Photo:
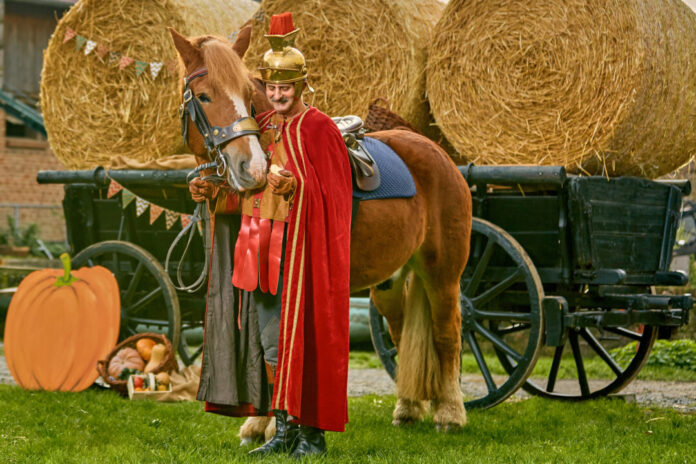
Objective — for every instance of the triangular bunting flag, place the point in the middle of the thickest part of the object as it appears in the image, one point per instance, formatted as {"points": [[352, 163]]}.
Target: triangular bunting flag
{"points": [[172, 66], [155, 68], [80, 41], [170, 218], [91, 44], [114, 57], [140, 206], [140, 67], [126, 197], [69, 34], [259, 16], [185, 219], [114, 188], [155, 212], [102, 50], [125, 61]]}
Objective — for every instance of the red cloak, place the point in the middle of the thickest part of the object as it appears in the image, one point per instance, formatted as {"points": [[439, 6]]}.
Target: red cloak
{"points": [[312, 374]]}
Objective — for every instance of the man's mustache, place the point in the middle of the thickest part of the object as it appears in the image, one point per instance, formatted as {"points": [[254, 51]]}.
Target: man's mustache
{"points": [[280, 100]]}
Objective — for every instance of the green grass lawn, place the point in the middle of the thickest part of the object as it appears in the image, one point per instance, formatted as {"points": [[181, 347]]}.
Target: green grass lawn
{"points": [[101, 427]]}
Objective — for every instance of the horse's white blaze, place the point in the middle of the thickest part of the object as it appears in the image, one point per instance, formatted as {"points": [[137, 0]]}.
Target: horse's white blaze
{"points": [[257, 163]]}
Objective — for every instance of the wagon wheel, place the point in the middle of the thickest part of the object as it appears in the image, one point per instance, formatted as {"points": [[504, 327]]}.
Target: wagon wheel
{"points": [[382, 341], [501, 295], [571, 358], [189, 353], [498, 270], [147, 295]]}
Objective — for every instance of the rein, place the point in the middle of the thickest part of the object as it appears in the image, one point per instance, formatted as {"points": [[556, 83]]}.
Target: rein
{"points": [[214, 137]]}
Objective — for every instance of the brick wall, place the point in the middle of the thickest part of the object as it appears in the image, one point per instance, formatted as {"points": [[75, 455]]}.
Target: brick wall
{"points": [[20, 160]]}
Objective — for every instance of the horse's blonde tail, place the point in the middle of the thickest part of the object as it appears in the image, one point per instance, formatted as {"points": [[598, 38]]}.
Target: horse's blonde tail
{"points": [[418, 375]]}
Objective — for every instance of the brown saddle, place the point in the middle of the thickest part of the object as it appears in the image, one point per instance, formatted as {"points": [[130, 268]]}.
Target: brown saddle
{"points": [[365, 170]]}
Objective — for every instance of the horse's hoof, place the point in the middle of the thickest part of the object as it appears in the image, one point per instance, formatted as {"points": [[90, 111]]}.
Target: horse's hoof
{"points": [[246, 441], [403, 422], [447, 428]]}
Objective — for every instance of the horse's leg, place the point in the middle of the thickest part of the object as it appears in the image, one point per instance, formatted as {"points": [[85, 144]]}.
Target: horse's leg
{"points": [[253, 429], [390, 299], [448, 406], [417, 379]]}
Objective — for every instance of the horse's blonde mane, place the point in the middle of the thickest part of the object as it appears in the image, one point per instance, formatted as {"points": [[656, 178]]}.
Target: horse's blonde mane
{"points": [[225, 68]]}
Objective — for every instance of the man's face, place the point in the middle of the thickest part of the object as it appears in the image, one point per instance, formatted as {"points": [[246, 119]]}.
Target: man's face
{"points": [[282, 96]]}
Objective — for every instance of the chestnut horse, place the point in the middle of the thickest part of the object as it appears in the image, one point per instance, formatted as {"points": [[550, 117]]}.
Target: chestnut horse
{"points": [[416, 247]]}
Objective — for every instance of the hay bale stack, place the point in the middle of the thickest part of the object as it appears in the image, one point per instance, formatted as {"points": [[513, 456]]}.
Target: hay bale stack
{"points": [[598, 86], [358, 51], [91, 108]]}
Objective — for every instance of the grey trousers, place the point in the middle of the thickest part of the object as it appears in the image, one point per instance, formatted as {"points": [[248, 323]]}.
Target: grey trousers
{"points": [[268, 310]]}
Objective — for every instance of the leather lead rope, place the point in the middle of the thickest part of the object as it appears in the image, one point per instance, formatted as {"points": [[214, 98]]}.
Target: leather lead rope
{"points": [[199, 214]]}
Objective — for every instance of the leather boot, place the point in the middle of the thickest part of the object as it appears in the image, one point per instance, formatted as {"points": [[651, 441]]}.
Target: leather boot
{"points": [[310, 441], [284, 439]]}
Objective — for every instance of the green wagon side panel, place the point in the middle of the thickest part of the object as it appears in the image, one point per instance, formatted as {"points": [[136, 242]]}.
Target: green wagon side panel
{"points": [[624, 223]]}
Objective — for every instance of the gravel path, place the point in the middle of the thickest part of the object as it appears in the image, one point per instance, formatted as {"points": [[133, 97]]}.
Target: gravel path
{"points": [[677, 395], [680, 396]]}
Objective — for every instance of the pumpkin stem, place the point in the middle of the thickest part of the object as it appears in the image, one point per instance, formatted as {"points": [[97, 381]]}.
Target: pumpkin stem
{"points": [[66, 279]]}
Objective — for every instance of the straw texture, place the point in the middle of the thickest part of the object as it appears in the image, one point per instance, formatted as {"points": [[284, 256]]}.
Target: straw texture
{"points": [[598, 86], [358, 51], [93, 110]]}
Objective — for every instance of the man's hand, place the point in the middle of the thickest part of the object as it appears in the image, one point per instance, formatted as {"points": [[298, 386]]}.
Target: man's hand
{"points": [[282, 182], [201, 190]]}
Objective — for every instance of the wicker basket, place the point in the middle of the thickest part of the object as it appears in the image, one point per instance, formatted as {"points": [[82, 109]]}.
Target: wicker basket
{"points": [[380, 117], [167, 365]]}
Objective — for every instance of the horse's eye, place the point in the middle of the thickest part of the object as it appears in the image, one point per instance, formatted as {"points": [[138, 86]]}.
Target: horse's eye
{"points": [[203, 98]]}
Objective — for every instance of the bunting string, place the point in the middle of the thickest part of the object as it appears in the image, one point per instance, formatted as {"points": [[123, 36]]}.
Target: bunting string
{"points": [[87, 46], [142, 205]]}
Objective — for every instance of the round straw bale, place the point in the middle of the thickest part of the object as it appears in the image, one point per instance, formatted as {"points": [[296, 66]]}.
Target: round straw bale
{"points": [[597, 86], [358, 51], [93, 110]]}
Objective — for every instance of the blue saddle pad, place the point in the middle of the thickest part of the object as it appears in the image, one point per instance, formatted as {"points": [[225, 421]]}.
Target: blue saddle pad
{"points": [[396, 179]]}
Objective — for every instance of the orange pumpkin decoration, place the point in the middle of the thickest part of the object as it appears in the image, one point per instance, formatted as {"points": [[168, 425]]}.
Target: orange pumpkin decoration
{"points": [[59, 324]]}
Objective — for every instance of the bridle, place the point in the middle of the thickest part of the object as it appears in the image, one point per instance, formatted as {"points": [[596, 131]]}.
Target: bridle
{"points": [[213, 136]]}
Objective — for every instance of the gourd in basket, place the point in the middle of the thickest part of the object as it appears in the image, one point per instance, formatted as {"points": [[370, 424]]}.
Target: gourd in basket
{"points": [[130, 355], [59, 323]]}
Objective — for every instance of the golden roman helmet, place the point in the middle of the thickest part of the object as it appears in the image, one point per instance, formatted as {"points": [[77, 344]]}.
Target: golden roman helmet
{"points": [[283, 63]]}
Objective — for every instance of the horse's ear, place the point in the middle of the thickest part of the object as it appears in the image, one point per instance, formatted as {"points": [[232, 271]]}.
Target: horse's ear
{"points": [[241, 44], [186, 49]]}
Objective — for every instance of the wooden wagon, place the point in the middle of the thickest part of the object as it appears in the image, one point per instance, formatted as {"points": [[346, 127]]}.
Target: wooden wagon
{"points": [[562, 265]]}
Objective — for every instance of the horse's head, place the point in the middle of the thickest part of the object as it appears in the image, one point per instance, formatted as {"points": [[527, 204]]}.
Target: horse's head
{"points": [[217, 96]]}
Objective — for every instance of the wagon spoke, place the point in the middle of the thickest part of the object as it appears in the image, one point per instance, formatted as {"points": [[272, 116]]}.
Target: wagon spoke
{"points": [[117, 263], [513, 329], [481, 361], [502, 315], [497, 341], [473, 284], [133, 283], [145, 300], [553, 373], [497, 289], [130, 330], [625, 333], [582, 376], [599, 349]]}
